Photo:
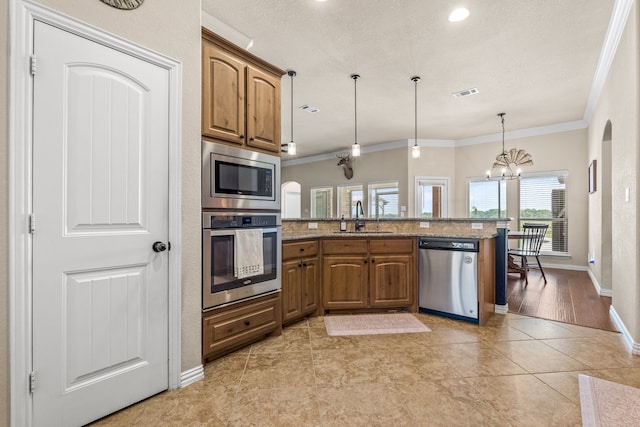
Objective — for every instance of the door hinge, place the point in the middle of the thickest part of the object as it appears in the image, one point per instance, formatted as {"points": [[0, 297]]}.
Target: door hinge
{"points": [[33, 65], [32, 223], [32, 382]]}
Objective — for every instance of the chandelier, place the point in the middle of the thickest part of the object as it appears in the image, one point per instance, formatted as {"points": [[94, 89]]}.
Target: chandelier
{"points": [[507, 164]]}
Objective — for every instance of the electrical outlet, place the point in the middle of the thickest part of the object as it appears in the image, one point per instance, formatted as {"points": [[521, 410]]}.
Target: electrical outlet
{"points": [[312, 225], [476, 226], [424, 225]]}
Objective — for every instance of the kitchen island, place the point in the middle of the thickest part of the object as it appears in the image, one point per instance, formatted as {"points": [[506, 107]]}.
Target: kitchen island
{"points": [[374, 269]]}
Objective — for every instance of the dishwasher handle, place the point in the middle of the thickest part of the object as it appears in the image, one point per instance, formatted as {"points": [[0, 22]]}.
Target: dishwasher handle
{"points": [[450, 245]]}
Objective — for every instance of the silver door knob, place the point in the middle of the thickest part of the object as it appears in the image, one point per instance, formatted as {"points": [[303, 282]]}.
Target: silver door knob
{"points": [[159, 247]]}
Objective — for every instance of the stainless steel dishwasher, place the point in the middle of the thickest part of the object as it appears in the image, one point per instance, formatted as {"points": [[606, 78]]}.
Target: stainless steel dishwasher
{"points": [[448, 282]]}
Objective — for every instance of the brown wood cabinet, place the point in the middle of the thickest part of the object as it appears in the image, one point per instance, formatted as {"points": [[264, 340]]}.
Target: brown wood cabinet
{"points": [[300, 290], [240, 96], [229, 328], [369, 273], [486, 280]]}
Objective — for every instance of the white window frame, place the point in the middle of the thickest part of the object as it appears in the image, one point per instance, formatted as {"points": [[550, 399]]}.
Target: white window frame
{"points": [[364, 198], [376, 183], [313, 200], [479, 179], [432, 180]]}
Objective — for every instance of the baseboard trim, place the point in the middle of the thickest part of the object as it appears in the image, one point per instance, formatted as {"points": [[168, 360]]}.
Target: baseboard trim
{"points": [[564, 266], [633, 346], [602, 292], [501, 308], [191, 376]]}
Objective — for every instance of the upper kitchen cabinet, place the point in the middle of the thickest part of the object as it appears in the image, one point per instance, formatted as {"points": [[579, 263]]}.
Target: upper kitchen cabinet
{"points": [[240, 96]]}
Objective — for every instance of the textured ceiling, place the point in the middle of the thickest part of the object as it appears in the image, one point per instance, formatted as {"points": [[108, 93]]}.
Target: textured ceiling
{"points": [[534, 60]]}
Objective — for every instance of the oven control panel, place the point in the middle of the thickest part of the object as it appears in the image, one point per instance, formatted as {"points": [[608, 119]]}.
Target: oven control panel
{"points": [[239, 221]]}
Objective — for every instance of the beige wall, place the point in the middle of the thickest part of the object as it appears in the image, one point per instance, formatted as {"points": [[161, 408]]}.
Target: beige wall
{"points": [[370, 167], [173, 29], [558, 151], [619, 104], [433, 162], [4, 255]]}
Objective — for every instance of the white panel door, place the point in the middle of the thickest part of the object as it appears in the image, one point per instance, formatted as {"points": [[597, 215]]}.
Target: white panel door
{"points": [[100, 199]]}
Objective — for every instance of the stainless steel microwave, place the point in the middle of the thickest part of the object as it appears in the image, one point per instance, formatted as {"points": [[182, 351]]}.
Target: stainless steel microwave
{"points": [[238, 179]]}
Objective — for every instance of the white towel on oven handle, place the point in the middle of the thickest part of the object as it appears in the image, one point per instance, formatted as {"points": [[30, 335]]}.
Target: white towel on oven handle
{"points": [[248, 254]]}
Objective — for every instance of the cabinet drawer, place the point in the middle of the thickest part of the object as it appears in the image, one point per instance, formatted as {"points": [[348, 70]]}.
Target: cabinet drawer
{"points": [[392, 246], [344, 246], [230, 327], [299, 249]]}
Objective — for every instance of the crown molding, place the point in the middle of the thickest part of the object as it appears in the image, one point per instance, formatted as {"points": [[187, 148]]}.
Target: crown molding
{"points": [[450, 143], [619, 16], [524, 133]]}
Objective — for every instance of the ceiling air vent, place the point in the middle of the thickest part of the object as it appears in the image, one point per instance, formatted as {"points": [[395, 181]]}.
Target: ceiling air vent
{"points": [[309, 109], [466, 92]]}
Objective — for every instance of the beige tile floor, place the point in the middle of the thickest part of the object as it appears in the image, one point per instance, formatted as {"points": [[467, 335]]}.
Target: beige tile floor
{"points": [[517, 371]]}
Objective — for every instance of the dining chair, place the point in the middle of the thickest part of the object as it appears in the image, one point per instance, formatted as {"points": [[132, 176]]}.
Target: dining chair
{"points": [[532, 239]]}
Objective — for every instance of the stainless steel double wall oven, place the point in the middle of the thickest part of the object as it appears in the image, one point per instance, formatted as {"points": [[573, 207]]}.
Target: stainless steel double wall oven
{"points": [[240, 192]]}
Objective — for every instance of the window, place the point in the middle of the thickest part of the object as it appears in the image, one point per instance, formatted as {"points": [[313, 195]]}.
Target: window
{"points": [[432, 197], [383, 200], [322, 202], [543, 200], [348, 196], [487, 199]]}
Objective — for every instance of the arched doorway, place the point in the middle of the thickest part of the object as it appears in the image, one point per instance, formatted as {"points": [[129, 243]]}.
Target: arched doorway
{"points": [[291, 199]]}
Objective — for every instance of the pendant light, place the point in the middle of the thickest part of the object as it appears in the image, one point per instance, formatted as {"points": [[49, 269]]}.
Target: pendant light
{"points": [[508, 162], [355, 148], [290, 148], [415, 150]]}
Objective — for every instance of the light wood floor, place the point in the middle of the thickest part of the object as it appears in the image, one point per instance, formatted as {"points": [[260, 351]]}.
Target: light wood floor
{"points": [[568, 296]]}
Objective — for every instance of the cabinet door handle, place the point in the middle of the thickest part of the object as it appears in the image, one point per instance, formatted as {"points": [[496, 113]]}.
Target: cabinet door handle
{"points": [[299, 265], [241, 136], [251, 139], [372, 261], [247, 323], [365, 261], [304, 264]]}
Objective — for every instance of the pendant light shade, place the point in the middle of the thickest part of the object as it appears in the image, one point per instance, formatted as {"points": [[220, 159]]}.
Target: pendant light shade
{"points": [[355, 148], [290, 148], [415, 150], [507, 164]]}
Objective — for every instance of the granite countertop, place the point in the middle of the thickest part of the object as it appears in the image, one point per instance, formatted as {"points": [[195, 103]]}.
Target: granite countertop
{"points": [[367, 234]]}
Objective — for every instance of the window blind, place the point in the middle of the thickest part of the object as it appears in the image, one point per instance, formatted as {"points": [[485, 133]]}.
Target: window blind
{"points": [[383, 200], [543, 201]]}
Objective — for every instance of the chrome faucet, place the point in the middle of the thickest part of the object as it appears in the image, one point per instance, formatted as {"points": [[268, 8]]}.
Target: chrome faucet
{"points": [[359, 222]]}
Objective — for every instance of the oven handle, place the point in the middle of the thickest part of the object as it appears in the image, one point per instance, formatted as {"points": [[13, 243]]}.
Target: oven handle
{"points": [[230, 231]]}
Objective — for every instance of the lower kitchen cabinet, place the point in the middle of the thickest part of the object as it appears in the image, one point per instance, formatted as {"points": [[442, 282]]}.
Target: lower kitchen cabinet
{"points": [[229, 328], [369, 273], [391, 280], [300, 292], [345, 281]]}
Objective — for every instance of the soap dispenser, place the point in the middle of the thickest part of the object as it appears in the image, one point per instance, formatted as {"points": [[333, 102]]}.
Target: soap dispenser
{"points": [[343, 224]]}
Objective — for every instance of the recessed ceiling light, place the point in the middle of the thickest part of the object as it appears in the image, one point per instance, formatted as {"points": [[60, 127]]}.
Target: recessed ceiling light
{"points": [[459, 14], [321, 1]]}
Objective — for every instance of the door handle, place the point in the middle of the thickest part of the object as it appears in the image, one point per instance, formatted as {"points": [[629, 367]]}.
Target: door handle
{"points": [[159, 247]]}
